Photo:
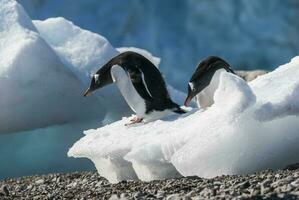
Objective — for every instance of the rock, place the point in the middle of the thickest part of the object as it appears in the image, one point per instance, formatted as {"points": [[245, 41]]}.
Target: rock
{"points": [[292, 167], [5, 190], [114, 197], [87, 185], [40, 181], [243, 185], [250, 75]]}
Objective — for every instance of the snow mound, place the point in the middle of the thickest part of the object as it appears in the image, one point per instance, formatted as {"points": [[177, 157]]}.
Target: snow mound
{"points": [[230, 137], [82, 51], [46, 66], [13, 14], [36, 88]]}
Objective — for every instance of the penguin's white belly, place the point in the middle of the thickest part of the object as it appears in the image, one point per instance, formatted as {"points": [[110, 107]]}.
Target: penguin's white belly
{"points": [[124, 84], [206, 97]]}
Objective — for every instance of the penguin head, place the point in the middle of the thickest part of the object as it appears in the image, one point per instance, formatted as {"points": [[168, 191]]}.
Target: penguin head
{"points": [[203, 75], [193, 90], [99, 80]]}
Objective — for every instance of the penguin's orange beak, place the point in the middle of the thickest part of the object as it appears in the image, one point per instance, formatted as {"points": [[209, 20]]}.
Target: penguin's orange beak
{"points": [[87, 92], [187, 101]]}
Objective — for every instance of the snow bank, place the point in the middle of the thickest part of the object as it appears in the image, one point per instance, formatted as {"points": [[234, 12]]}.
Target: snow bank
{"points": [[82, 51], [230, 137], [36, 89], [46, 66]]}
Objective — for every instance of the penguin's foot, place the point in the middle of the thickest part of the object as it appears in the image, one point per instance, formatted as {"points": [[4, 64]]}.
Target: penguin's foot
{"points": [[134, 120]]}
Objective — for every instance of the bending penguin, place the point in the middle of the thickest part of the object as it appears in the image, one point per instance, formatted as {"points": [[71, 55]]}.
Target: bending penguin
{"points": [[205, 81], [140, 83]]}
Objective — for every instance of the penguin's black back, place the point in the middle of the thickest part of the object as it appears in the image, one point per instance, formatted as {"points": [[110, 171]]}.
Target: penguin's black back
{"points": [[142, 71], [206, 70], [209, 66]]}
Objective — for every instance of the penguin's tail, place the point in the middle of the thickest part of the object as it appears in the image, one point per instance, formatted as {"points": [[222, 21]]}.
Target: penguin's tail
{"points": [[179, 110]]}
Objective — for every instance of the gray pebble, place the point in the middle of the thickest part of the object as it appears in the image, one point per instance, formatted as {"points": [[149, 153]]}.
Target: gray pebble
{"points": [[89, 185], [5, 190], [40, 181]]}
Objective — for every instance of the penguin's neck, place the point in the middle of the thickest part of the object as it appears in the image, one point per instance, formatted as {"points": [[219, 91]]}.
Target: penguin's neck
{"points": [[206, 97], [125, 86]]}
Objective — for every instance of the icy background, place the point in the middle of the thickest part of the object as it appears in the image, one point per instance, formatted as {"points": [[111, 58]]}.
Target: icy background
{"points": [[249, 34]]}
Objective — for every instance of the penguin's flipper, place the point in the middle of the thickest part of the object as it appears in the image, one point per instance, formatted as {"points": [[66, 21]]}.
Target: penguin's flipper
{"points": [[137, 79], [135, 75], [223, 64]]}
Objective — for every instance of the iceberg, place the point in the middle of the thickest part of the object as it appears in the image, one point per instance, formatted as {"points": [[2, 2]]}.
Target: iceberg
{"points": [[250, 127], [36, 89], [82, 51], [45, 68]]}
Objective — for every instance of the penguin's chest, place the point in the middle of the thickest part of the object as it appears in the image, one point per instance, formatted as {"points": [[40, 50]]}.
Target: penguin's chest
{"points": [[206, 97], [124, 84]]}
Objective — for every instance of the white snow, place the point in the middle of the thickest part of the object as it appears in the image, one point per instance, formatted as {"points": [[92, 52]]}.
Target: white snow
{"points": [[248, 128], [82, 51], [45, 67], [36, 88]]}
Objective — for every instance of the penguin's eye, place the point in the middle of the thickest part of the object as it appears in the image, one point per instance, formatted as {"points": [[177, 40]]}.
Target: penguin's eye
{"points": [[96, 78], [192, 86]]}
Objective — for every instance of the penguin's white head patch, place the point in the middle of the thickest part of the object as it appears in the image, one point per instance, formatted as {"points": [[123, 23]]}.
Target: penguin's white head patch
{"points": [[96, 78], [191, 86]]}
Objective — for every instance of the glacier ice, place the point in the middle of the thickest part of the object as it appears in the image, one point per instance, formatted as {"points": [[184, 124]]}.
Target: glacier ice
{"points": [[230, 137], [36, 89], [43, 150], [46, 66], [198, 28], [81, 50]]}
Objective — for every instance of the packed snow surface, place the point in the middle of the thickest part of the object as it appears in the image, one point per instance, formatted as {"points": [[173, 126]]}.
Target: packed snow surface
{"points": [[45, 67], [248, 128], [82, 51], [36, 88]]}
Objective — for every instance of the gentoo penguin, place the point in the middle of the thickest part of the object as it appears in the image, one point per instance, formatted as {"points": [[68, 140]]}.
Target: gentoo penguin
{"points": [[205, 80], [140, 83]]}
